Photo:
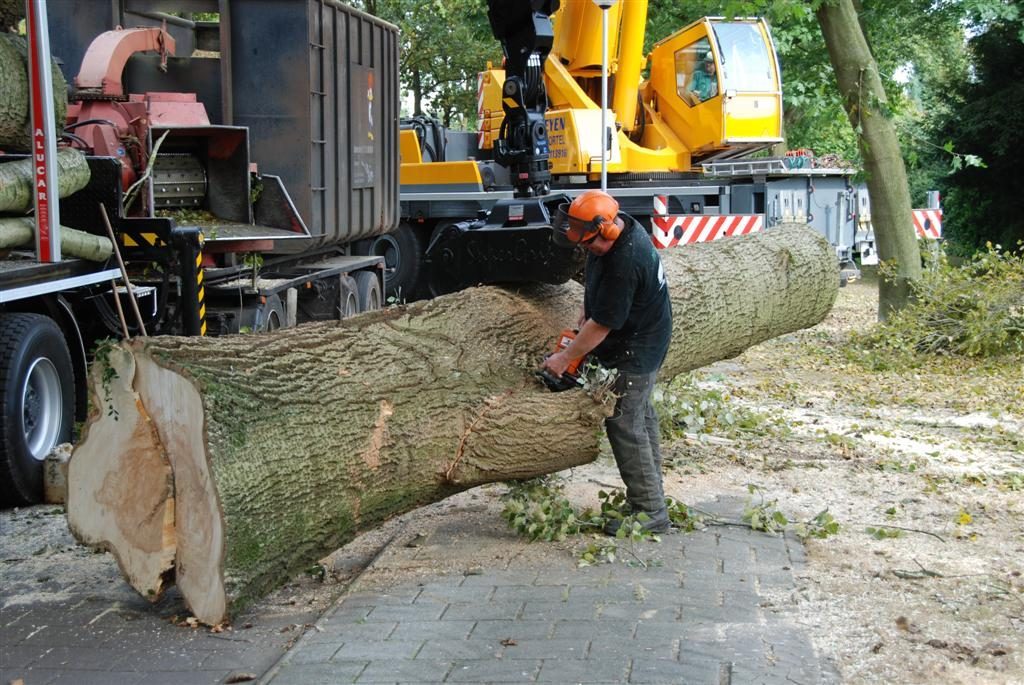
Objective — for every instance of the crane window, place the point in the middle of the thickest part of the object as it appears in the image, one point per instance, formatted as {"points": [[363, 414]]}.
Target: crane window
{"points": [[696, 72], [743, 53]]}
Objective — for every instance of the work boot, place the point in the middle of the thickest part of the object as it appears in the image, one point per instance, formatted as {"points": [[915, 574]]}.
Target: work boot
{"points": [[655, 523]]}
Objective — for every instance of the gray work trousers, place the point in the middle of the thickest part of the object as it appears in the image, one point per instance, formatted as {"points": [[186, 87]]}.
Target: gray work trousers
{"points": [[633, 433]]}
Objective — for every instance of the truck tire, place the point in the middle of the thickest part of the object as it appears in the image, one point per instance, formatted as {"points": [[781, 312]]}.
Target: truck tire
{"points": [[368, 291], [37, 397], [402, 250], [263, 317], [349, 297]]}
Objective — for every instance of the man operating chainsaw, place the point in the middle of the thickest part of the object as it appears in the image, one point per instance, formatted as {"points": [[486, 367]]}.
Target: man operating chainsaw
{"points": [[626, 325]]}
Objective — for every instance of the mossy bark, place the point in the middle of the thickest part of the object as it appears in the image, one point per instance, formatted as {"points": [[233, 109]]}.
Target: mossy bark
{"points": [[17, 179], [867, 108], [20, 232], [284, 446], [15, 115]]}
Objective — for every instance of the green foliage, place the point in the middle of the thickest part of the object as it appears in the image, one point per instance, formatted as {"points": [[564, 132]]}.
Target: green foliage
{"points": [[987, 204], [973, 310], [882, 533], [684, 517], [444, 44], [683, 407], [821, 526], [538, 509], [764, 516]]}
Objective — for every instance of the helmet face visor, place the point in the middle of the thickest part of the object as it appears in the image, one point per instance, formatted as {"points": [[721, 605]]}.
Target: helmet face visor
{"points": [[568, 231]]}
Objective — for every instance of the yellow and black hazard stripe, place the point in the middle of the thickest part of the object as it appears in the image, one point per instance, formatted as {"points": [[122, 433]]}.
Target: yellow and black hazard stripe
{"points": [[200, 294]]}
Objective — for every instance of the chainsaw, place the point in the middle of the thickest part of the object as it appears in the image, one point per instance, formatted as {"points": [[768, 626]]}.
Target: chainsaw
{"points": [[569, 379]]}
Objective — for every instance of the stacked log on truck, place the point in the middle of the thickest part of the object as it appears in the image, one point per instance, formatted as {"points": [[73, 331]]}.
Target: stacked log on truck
{"points": [[229, 465]]}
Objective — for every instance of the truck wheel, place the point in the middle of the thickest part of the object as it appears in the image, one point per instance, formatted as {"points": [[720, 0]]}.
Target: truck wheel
{"points": [[349, 297], [263, 317], [402, 250], [37, 396], [368, 291]]}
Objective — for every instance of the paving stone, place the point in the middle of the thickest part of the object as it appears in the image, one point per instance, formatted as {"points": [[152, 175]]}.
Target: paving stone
{"points": [[691, 672], [397, 613], [637, 611], [483, 611], [368, 598], [83, 658], [460, 649], [367, 650], [588, 575], [529, 593], [602, 670], [33, 676], [310, 654], [18, 656], [74, 677], [613, 593], [318, 674], [546, 649], [502, 577], [592, 630], [513, 630], [427, 630], [445, 594], [654, 647], [494, 671], [390, 671], [352, 631], [544, 611]]}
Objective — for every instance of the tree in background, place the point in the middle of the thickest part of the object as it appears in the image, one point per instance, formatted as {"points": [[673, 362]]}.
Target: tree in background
{"points": [[987, 203], [444, 44]]}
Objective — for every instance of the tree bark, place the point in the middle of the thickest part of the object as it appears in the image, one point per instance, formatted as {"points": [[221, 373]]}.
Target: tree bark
{"points": [[17, 180], [15, 115], [866, 106], [21, 232], [282, 447]]}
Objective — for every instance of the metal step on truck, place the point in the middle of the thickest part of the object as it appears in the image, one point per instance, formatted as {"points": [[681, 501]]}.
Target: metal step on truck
{"points": [[243, 155]]}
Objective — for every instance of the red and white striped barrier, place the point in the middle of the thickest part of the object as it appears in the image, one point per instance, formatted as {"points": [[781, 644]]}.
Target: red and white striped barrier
{"points": [[928, 223], [480, 115], [669, 230]]}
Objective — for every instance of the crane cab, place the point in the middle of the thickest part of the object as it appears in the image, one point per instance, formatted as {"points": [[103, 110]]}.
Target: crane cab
{"points": [[716, 84]]}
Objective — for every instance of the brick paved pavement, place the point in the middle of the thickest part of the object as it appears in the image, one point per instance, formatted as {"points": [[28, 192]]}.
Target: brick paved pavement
{"points": [[696, 614]]}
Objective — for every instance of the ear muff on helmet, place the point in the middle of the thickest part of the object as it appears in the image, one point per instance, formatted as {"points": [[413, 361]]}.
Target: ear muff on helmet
{"points": [[591, 214]]}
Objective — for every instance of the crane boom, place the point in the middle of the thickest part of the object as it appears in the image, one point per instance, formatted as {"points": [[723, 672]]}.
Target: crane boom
{"points": [[526, 35]]}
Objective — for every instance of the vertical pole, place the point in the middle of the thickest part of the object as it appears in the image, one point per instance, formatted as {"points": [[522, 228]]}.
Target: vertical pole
{"points": [[44, 143], [604, 98]]}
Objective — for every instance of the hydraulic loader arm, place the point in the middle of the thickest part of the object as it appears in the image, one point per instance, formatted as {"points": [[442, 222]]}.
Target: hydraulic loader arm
{"points": [[524, 29]]}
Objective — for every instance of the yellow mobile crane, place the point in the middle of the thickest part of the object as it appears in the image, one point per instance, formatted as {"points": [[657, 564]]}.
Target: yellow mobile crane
{"points": [[712, 92]]}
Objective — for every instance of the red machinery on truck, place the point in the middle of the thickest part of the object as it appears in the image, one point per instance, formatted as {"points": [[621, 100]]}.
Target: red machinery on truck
{"points": [[174, 117]]}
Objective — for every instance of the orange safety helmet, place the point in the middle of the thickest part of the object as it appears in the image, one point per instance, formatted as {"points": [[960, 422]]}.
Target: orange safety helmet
{"points": [[591, 214]]}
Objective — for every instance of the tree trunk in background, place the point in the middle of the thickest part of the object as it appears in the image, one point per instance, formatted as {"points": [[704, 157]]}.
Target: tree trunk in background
{"points": [[14, 110], [866, 106], [282, 447]]}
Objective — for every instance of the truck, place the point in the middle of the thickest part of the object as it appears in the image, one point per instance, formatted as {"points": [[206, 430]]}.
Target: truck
{"points": [[681, 162], [239, 162]]}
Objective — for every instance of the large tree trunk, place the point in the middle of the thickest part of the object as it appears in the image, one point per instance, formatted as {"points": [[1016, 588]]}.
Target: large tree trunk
{"points": [[232, 463], [15, 116], [17, 179], [21, 232], [865, 102]]}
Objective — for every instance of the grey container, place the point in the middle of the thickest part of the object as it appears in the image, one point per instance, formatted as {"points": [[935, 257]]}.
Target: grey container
{"points": [[316, 83]]}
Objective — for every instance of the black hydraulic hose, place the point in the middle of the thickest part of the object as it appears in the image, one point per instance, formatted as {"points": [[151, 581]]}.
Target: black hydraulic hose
{"points": [[80, 141], [105, 122]]}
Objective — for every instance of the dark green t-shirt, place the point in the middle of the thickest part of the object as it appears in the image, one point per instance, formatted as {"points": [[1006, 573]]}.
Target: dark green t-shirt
{"points": [[626, 291]]}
